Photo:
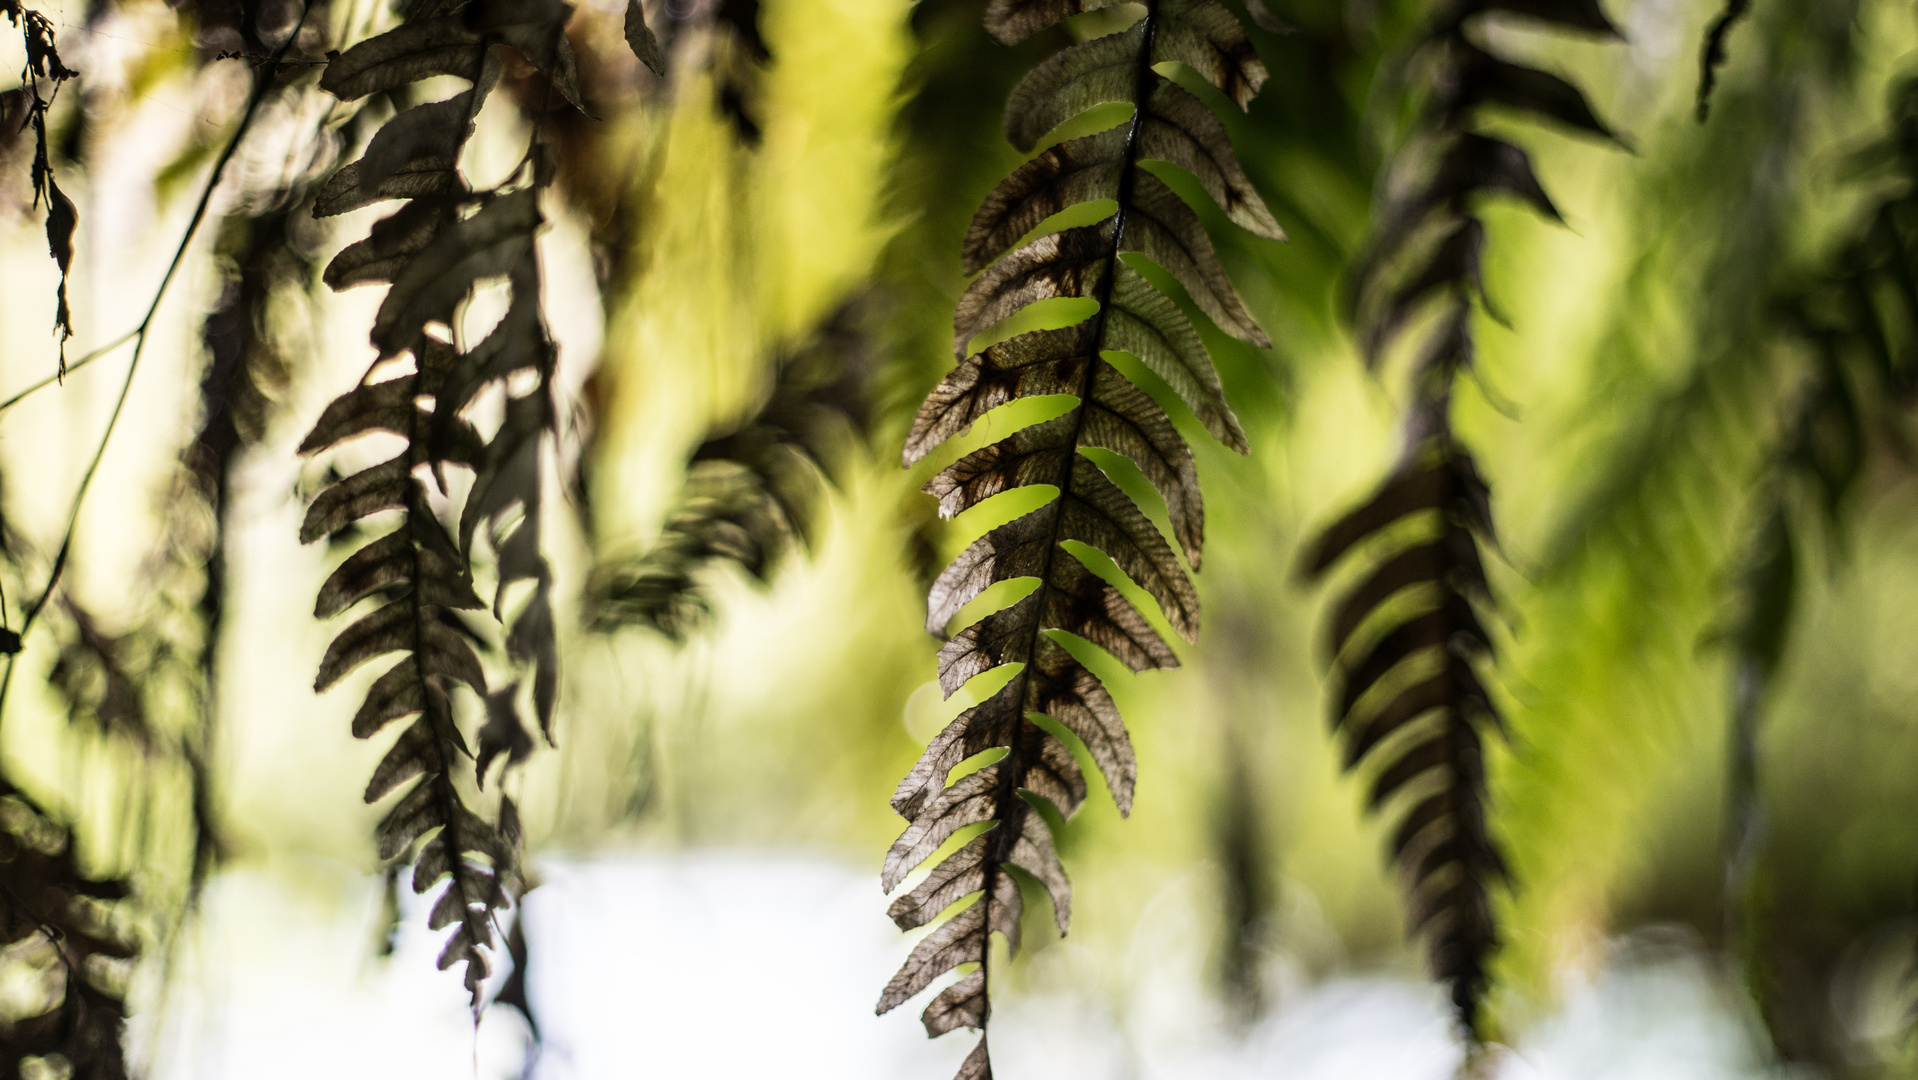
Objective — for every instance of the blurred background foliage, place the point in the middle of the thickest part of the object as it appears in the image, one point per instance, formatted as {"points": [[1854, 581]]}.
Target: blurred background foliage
{"points": [[753, 259]]}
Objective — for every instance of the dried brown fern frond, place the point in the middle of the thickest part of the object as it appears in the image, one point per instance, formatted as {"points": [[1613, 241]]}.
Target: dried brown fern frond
{"points": [[1149, 230]]}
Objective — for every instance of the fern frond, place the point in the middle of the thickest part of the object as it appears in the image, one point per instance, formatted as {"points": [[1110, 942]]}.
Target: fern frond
{"points": [[94, 674], [1408, 639], [431, 254], [1411, 697], [422, 578], [727, 514], [728, 47], [54, 916], [246, 373], [751, 490], [1149, 225]]}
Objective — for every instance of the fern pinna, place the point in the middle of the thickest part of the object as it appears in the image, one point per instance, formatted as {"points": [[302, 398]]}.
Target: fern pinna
{"points": [[432, 252], [1102, 262], [1407, 638]]}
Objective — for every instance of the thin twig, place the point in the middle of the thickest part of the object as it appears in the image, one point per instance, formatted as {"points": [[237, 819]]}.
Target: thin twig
{"points": [[141, 334], [71, 368]]}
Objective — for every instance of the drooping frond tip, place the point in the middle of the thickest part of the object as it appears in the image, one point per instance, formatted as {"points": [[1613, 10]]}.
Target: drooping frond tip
{"points": [[43, 65], [431, 254], [1407, 639], [751, 488], [1410, 698], [1150, 230]]}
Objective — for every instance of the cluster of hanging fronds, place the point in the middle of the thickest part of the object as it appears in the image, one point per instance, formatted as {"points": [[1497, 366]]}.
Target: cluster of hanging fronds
{"points": [[1861, 321], [1150, 231], [65, 952], [431, 253], [1407, 639], [751, 491], [43, 66], [58, 939], [1858, 323]]}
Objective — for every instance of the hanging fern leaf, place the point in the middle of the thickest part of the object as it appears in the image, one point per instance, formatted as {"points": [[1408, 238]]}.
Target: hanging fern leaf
{"points": [[1097, 262], [1408, 639], [431, 254], [1856, 320], [420, 577], [263, 256], [54, 917], [751, 491], [729, 512], [43, 63], [1411, 695]]}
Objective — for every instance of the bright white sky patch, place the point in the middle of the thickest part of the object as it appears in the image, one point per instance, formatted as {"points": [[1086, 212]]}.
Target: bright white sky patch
{"points": [[743, 966]]}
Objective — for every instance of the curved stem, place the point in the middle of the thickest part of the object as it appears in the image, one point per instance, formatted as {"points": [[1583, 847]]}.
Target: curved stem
{"points": [[141, 334]]}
